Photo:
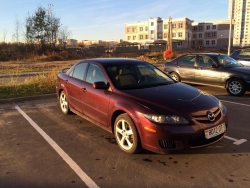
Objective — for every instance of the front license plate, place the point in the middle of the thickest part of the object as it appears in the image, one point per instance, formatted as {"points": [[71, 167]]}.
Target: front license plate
{"points": [[212, 132]]}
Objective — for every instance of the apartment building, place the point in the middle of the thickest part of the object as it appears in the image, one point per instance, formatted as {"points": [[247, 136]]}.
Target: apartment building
{"points": [[146, 32], [210, 34], [239, 11]]}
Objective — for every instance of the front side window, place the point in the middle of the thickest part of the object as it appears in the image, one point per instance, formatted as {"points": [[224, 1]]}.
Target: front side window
{"points": [[187, 61], [95, 74], [226, 61], [79, 71]]}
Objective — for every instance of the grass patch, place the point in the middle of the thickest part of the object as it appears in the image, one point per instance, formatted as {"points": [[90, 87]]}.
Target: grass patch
{"points": [[44, 83]]}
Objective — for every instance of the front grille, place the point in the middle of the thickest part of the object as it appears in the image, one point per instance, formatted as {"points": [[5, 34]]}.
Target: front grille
{"points": [[202, 116], [201, 140], [167, 144]]}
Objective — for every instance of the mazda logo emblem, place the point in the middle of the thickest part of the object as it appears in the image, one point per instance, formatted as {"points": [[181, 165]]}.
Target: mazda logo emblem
{"points": [[210, 116]]}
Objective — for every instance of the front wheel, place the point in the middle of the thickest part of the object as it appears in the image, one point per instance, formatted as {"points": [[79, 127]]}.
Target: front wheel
{"points": [[64, 103], [175, 76], [236, 87], [126, 134]]}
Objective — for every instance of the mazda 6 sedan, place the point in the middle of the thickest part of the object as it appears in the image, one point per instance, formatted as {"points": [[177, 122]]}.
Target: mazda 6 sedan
{"points": [[210, 69], [141, 105]]}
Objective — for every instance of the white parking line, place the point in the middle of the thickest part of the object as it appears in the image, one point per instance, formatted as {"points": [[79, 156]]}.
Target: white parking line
{"points": [[236, 142], [85, 178], [235, 103]]}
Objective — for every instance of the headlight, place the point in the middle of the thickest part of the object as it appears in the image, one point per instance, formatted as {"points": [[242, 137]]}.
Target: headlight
{"points": [[223, 108], [168, 119]]}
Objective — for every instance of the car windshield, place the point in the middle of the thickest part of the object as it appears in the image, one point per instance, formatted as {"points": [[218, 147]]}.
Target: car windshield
{"points": [[136, 76], [226, 61]]}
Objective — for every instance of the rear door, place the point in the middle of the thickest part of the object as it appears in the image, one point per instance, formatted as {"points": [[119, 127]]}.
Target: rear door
{"points": [[185, 66]]}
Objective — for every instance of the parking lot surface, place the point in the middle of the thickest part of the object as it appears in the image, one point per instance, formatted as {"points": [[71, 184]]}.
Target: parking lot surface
{"points": [[41, 147]]}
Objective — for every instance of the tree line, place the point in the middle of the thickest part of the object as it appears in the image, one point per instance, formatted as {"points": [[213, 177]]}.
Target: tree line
{"points": [[42, 29]]}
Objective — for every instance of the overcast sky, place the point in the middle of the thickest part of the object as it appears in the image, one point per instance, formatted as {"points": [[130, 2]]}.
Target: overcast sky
{"points": [[105, 19]]}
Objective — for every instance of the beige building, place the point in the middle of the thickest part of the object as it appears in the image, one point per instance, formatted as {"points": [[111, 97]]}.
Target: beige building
{"points": [[240, 12], [146, 32], [210, 34]]}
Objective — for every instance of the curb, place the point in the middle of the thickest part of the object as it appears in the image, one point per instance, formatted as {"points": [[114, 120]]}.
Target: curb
{"points": [[28, 98]]}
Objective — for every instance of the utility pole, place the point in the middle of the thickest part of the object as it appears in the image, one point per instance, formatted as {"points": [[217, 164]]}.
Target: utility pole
{"points": [[169, 45]]}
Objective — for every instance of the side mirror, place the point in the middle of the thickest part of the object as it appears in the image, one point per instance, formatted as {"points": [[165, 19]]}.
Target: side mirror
{"points": [[100, 85]]}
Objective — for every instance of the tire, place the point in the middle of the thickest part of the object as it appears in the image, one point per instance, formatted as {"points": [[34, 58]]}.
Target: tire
{"points": [[126, 134], [64, 103], [175, 76], [236, 87]]}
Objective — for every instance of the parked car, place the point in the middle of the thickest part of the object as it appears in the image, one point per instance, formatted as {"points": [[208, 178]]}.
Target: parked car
{"points": [[141, 105], [210, 69], [242, 56]]}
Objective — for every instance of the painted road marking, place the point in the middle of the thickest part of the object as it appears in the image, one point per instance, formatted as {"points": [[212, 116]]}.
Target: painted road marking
{"points": [[236, 142], [235, 103], [85, 178]]}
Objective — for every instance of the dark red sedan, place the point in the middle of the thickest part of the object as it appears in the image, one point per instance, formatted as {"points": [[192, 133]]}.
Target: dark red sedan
{"points": [[141, 105]]}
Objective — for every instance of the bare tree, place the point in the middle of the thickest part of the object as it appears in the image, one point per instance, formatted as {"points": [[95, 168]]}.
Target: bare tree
{"points": [[17, 30], [64, 34]]}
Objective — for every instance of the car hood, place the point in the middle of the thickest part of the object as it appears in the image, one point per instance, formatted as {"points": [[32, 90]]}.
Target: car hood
{"points": [[175, 98], [242, 69]]}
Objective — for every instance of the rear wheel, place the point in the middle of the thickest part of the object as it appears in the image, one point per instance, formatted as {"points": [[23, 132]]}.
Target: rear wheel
{"points": [[175, 76], [126, 134], [64, 103], [236, 87]]}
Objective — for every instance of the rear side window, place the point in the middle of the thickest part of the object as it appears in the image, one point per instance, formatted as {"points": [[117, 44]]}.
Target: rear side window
{"points": [[187, 61], [79, 71], [244, 54]]}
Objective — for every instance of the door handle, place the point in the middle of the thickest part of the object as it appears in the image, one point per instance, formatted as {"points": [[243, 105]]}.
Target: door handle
{"points": [[84, 89], [66, 81]]}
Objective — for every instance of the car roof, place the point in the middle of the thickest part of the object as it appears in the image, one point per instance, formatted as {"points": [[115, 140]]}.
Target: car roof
{"points": [[112, 61], [205, 53]]}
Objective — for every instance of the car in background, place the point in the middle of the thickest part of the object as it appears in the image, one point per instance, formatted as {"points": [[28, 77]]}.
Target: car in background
{"points": [[210, 69], [242, 56], [141, 105]]}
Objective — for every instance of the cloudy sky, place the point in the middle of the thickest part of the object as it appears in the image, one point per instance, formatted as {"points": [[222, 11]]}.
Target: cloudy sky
{"points": [[105, 19]]}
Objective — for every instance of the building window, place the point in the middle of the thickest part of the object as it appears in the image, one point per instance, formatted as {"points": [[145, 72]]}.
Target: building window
{"points": [[200, 28], [146, 36], [180, 25], [146, 28], [214, 26], [152, 23], [207, 42], [173, 34], [129, 37], [200, 35], [165, 26], [194, 36], [159, 27], [173, 25], [208, 27], [152, 31], [134, 29], [128, 30], [165, 35], [141, 37], [159, 36], [207, 35], [141, 28], [195, 28], [180, 43], [200, 42], [134, 37], [213, 34], [179, 34], [213, 41]]}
